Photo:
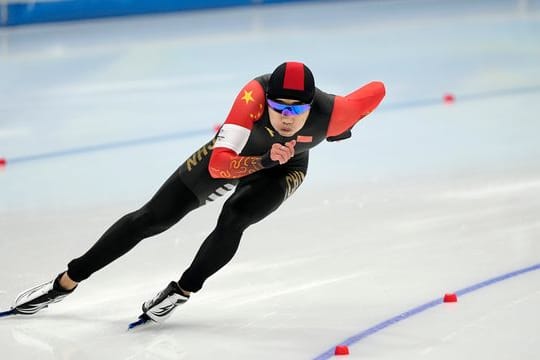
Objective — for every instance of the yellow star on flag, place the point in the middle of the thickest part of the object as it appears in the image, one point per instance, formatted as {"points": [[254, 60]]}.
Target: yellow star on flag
{"points": [[248, 96]]}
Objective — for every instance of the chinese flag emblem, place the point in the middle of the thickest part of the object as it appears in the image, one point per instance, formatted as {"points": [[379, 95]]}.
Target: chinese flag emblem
{"points": [[248, 96], [304, 139]]}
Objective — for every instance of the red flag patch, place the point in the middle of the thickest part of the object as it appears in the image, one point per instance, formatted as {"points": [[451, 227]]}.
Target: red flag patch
{"points": [[304, 139]]}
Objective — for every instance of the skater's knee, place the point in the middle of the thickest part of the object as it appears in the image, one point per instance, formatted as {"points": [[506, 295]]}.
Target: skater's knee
{"points": [[146, 223]]}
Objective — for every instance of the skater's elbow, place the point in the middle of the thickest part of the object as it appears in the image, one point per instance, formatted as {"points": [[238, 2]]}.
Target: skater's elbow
{"points": [[219, 163]]}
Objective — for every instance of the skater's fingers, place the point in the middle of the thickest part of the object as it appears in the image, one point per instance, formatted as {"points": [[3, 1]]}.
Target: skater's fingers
{"points": [[290, 146], [277, 153]]}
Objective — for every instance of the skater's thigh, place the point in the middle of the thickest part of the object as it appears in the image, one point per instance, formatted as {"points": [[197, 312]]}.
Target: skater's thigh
{"points": [[259, 195], [173, 199]]}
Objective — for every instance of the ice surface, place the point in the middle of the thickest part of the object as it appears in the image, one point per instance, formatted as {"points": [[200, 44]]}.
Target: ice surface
{"points": [[424, 199]]}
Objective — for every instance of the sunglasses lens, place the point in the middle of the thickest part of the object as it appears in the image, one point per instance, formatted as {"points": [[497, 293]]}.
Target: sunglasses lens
{"points": [[301, 108], [288, 110]]}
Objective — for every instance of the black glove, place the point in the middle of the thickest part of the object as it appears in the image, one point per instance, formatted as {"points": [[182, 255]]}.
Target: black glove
{"points": [[344, 135]]}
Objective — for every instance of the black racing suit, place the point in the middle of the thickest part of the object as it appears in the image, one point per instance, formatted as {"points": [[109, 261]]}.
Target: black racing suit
{"points": [[190, 186]]}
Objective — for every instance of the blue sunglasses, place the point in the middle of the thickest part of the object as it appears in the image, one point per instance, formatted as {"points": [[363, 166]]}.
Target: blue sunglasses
{"points": [[288, 109]]}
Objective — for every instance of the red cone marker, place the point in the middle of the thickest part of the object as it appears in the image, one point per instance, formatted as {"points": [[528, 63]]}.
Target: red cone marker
{"points": [[449, 98], [450, 298], [341, 350]]}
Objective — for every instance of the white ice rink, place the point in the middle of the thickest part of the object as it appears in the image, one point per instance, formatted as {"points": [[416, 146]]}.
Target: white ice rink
{"points": [[426, 198]]}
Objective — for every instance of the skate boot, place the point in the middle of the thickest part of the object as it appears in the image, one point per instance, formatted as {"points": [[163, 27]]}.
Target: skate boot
{"points": [[162, 305], [32, 300]]}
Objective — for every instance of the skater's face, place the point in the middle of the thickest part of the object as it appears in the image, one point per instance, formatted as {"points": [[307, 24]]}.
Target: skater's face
{"points": [[287, 116]]}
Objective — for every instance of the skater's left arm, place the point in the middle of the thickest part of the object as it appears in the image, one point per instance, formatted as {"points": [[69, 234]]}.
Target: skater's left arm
{"points": [[225, 161], [350, 109]]}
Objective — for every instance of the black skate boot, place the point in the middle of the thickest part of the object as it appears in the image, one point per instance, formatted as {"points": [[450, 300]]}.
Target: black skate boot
{"points": [[32, 300], [162, 305]]}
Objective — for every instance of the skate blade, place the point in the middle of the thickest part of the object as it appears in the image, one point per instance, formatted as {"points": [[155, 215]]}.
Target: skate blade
{"points": [[143, 319], [8, 313]]}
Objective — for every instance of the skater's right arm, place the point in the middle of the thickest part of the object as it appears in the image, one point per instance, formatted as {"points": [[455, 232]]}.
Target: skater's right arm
{"points": [[225, 161], [350, 109]]}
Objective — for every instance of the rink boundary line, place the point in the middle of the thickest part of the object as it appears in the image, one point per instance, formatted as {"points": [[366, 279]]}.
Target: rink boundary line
{"points": [[207, 131], [463, 98], [419, 309], [109, 146]]}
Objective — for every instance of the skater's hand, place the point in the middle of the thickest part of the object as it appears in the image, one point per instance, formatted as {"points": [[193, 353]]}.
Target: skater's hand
{"points": [[282, 153]]}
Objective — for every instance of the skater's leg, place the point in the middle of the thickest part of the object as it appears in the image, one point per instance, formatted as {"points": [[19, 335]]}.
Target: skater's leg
{"points": [[173, 201], [252, 201], [170, 204]]}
